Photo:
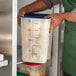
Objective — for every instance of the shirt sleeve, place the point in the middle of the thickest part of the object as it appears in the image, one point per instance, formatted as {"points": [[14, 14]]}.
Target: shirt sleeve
{"points": [[74, 13], [55, 1], [50, 3]]}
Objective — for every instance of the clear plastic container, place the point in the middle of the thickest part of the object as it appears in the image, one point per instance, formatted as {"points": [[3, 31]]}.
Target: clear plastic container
{"points": [[35, 38], [33, 69]]}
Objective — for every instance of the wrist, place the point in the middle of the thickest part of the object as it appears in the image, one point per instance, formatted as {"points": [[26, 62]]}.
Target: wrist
{"points": [[68, 16], [62, 15]]}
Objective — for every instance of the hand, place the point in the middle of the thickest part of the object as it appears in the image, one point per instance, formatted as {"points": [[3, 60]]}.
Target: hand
{"points": [[21, 13], [69, 16], [56, 20], [36, 6]]}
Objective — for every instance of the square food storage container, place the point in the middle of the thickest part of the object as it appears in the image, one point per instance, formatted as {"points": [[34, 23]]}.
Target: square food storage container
{"points": [[33, 69], [35, 37]]}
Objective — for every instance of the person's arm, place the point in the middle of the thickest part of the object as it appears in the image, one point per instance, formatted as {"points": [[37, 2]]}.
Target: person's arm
{"points": [[36, 6], [58, 18], [69, 16]]}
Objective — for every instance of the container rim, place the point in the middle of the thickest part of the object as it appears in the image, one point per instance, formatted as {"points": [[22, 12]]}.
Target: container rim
{"points": [[35, 15], [32, 64]]}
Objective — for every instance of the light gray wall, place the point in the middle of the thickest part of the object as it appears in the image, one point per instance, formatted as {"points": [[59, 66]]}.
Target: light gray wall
{"points": [[22, 3]]}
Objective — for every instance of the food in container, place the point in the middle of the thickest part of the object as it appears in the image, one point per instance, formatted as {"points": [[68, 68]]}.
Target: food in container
{"points": [[33, 69]]}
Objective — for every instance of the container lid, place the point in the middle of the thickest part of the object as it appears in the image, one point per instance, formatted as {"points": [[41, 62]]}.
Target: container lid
{"points": [[36, 15], [32, 64]]}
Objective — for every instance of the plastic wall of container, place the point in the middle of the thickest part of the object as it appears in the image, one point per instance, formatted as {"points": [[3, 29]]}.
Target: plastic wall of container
{"points": [[35, 38]]}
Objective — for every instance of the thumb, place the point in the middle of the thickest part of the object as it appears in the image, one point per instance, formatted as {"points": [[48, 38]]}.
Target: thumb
{"points": [[22, 14], [49, 16]]}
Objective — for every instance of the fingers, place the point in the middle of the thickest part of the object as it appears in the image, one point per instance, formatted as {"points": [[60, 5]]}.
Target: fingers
{"points": [[49, 16], [53, 24], [19, 20], [52, 15], [56, 20], [21, 13]]}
